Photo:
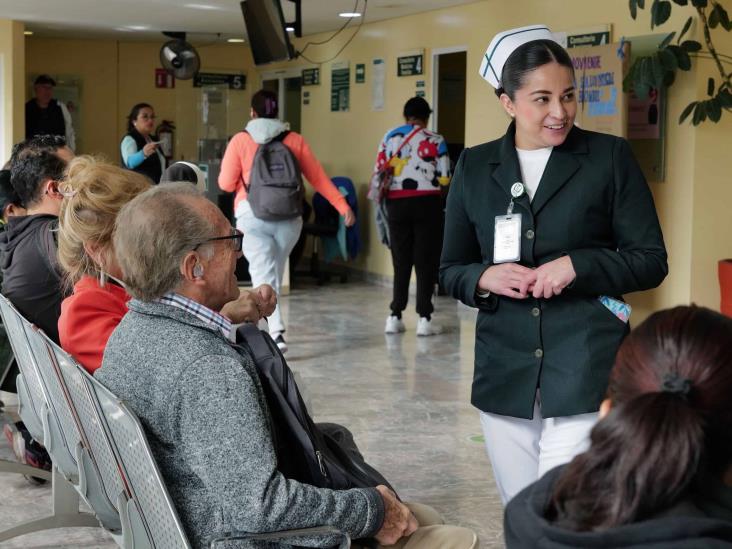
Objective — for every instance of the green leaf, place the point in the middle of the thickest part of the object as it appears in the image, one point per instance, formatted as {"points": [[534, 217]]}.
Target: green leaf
{"points": [[656, 72], [668, 59], [714, 109], [668, 78], [710, 87], [681, 2], [713, 19], [632, 5], [667, 40], [725, 99], [682, 57], [691, 45], [724, 17], [699, 3], [700, 113], [686, 28], [660, 12], [687, 111], [642, 90]]}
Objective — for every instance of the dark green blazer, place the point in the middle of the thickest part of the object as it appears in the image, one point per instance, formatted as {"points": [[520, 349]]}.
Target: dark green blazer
{"points": [[592, 204]]}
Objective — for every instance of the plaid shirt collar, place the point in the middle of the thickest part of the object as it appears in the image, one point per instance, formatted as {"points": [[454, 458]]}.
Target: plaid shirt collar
{"points": [[201, 312]]}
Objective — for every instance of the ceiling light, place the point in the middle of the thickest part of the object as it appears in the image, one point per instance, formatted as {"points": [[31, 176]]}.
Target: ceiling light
{"points": [[28, 33], [235, 40], [349, 14], [137, 27], [290, 29]]}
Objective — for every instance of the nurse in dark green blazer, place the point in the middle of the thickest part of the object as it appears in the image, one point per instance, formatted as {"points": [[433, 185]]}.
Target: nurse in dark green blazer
{"points": [[550, 323]]}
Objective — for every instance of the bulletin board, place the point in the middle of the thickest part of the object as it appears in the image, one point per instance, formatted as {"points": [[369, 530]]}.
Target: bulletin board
{"points": [[601, 104]]}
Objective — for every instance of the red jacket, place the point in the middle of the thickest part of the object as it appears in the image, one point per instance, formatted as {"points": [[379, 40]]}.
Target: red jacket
{"points": [[88, 318]]}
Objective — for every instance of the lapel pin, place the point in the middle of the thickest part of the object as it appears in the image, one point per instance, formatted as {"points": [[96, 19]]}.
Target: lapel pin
{"points": [[517, 189]]}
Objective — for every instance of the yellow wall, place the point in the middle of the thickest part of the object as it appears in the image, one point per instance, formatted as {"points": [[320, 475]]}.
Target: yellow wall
{"points": [[711, 239], [691, 202], [116, 75], [12, 59]]}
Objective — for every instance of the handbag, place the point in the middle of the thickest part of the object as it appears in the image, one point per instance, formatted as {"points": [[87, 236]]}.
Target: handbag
{"points": [[382, 178]]}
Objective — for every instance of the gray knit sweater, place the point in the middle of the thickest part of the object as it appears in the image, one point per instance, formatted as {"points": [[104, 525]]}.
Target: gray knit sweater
{"points": [[207, 422]]}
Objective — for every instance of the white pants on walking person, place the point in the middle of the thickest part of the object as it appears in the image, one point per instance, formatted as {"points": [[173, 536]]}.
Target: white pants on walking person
{"points": [[267, 245], [522, 450]]}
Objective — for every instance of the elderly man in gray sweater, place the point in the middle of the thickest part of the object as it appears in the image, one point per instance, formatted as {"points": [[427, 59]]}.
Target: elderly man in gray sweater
{"points": [[200, 399]]}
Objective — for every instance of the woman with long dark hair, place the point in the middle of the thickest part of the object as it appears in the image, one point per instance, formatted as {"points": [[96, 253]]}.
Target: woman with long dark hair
{"points": [[546, 228], [659, 469], [140, 148]]}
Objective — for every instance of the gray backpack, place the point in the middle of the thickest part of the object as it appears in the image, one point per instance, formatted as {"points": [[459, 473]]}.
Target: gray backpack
{"points": [[275, 191]]}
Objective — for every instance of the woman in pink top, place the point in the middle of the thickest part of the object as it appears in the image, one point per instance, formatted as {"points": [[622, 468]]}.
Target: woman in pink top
{"points": [[267, 244]]}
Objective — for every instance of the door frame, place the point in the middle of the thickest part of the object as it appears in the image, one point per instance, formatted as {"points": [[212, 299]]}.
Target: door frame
{"points": [[435, 81], [280, 74]]}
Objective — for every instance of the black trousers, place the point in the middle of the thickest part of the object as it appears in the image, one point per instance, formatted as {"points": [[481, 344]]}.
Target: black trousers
{"points": [[415, 230]]}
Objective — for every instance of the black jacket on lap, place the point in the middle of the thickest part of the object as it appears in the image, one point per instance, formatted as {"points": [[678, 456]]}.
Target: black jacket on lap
{"points": [[31, 275], [699, 522]]}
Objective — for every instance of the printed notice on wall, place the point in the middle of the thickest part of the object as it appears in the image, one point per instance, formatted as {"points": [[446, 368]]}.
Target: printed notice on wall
{"points": [[340, 86], [599, 70], [378, 77]]}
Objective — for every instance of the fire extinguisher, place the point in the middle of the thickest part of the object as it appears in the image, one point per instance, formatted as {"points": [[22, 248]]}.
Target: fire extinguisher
{"points": [[166, 136]]}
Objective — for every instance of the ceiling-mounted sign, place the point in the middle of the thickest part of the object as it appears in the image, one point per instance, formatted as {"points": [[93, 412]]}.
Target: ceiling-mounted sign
{"points": [[410, 63], [233, 81], [311, 77]]}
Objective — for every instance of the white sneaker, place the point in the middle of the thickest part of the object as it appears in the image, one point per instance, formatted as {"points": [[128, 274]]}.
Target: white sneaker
{"points": [[427, 327], [280, 341], [394, 325]]}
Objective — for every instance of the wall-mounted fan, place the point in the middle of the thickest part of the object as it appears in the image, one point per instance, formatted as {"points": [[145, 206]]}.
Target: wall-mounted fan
{"points": [[178, 57]]}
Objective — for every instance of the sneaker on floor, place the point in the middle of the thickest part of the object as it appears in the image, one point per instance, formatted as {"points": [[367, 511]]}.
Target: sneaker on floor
{"points": [[280, 342], [426, 327], [27, 450], [394, 325]]}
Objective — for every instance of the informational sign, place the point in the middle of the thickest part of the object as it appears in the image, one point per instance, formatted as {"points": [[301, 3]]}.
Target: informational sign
{"points": [[378, 77], [305, 97], [164, 79], [360, 73], [599, 70], [311, 77], [410, 64], [340, 86], [599, 35], [234, 81]]}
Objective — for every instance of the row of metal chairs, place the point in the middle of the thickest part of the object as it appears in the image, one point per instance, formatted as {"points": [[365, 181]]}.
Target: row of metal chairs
{"points": [[99, 452]]}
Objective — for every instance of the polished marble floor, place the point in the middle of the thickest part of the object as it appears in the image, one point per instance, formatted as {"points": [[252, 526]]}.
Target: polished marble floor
{"points": [[406, 399]]}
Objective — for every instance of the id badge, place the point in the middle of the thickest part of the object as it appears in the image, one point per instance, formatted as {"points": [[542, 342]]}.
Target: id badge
{"points": [[507, 238]]}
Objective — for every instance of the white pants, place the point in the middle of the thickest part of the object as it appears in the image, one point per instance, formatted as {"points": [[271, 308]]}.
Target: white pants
{"points": [[267, 245], [522, 450]]}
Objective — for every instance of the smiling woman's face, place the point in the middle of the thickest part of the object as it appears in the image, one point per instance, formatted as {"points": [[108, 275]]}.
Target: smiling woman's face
{"points": [[544, 107]]}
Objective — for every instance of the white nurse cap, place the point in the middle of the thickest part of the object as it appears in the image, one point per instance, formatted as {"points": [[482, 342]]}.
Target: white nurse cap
{"points": [[504, 44]]}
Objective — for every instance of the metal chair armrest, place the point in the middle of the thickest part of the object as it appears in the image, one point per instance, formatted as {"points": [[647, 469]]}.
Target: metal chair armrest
{"points": [[345, 542]]}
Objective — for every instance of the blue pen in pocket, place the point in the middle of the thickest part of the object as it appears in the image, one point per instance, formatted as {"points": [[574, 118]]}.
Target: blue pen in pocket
{"points": [[619, 308]]}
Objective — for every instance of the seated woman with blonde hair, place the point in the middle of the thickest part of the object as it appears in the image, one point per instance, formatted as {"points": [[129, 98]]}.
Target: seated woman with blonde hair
{"points": [[94, 193], [658, 472]]}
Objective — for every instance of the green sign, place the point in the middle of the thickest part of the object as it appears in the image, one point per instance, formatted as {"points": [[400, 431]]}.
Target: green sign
{"points": [[340, 87], [311, 77], [409, 65], [234, 81], [360, 73], [588, 39]]}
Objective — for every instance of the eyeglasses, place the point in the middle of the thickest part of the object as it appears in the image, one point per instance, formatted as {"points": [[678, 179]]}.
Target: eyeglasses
{"points": [[147, 117], [236, 240]]}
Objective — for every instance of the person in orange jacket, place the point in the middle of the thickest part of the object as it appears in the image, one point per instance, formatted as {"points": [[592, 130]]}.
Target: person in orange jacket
{"points": [[267, 244]]}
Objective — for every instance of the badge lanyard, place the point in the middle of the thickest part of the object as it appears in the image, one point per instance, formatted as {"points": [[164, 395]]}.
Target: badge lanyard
{"points": [[507, 234]]}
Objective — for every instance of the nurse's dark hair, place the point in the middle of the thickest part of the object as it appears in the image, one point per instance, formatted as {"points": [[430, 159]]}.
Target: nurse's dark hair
{"points": [[529, 57], [670, 423]]}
